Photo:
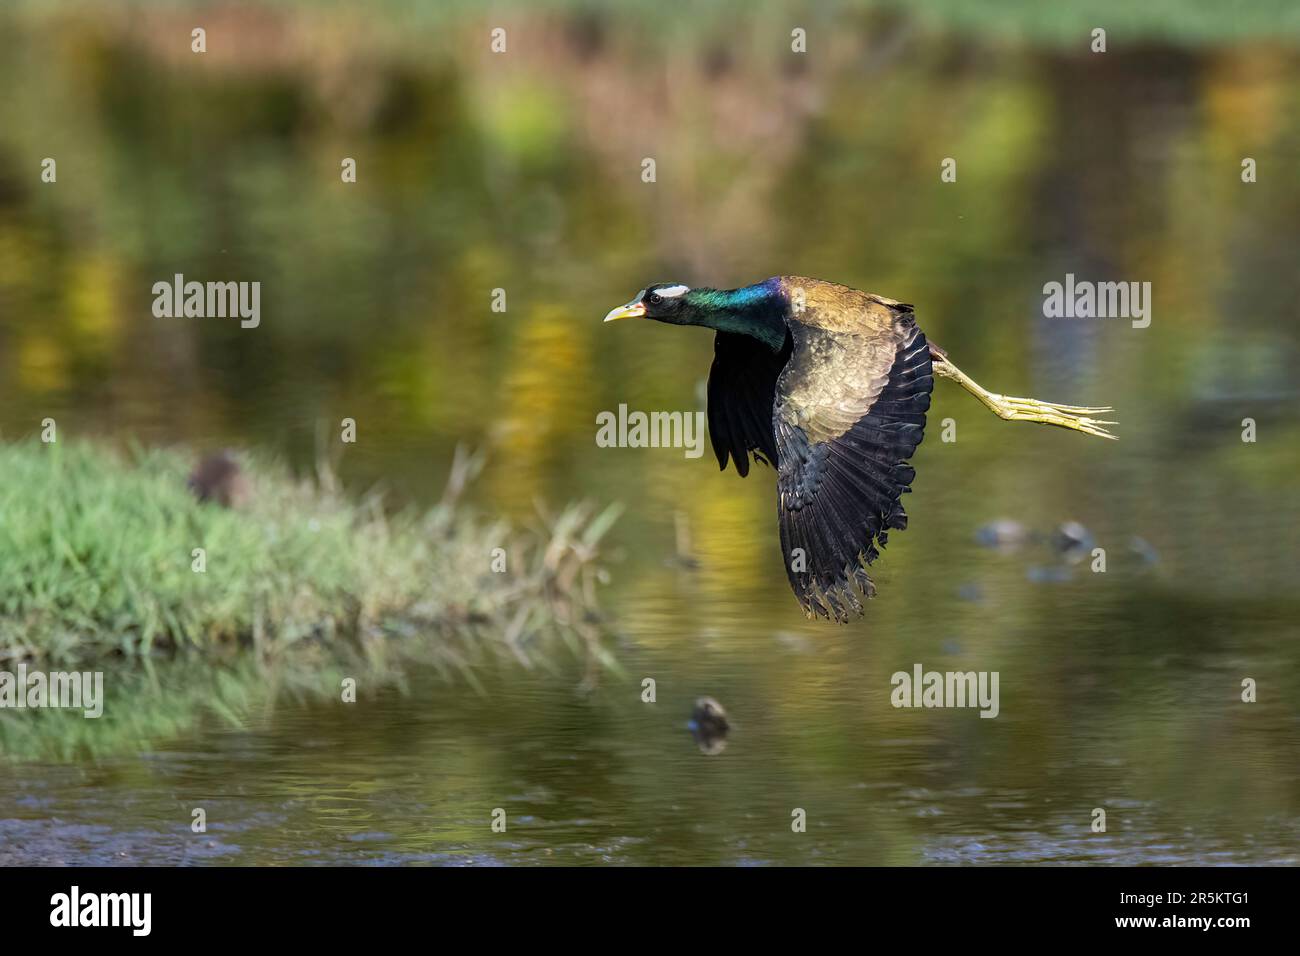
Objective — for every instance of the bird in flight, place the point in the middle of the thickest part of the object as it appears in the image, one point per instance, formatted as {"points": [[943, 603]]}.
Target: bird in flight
{"points": [[831, 386]]}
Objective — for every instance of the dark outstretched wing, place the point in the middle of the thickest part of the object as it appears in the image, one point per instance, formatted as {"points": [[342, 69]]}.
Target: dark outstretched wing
{"points": [[742, 387], [849, 411]]}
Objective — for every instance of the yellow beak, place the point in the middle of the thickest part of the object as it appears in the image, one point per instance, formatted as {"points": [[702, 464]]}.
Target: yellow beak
{"points": [[633, 310]]}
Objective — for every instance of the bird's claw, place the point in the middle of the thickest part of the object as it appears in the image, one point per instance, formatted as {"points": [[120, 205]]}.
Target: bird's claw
{"points": [[1074, 417]]}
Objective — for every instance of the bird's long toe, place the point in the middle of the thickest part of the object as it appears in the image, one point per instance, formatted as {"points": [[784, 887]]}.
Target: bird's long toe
{"points": [[1077, 418]]}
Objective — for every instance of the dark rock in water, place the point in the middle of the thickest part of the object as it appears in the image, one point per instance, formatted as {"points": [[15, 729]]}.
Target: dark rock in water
{"points": [[1003, 534], [709, 726], [1073, 541], [220, 478]]}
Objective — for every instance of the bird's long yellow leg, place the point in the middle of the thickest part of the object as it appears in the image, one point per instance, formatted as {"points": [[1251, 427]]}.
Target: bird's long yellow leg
{"points": [[1010, 408]]}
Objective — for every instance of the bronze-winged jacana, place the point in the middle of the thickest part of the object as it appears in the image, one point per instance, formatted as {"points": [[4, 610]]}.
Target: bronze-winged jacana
{"points": [[831, 385]]}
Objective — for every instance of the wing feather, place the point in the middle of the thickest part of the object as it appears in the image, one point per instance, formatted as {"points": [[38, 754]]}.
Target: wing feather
{"points": [[839, 486], [838, 410], [742, 387]]}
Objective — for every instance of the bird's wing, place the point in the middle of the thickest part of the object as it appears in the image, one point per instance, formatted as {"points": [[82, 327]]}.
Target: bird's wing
{"points": [[742, 386], [849, 411]]}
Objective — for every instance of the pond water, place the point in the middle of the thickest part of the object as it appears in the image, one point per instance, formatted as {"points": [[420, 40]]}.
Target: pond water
{"points": [[1119, 690]]}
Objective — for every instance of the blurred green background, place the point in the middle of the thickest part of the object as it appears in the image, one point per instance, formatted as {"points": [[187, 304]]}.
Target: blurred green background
{"points": [[522, 171]]}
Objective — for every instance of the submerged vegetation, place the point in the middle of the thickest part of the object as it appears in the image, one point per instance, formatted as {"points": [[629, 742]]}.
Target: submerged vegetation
{"points": [[106, 552]]}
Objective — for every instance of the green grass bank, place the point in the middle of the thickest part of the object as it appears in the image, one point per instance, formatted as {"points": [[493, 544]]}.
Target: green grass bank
{"points": [[99, 558]]}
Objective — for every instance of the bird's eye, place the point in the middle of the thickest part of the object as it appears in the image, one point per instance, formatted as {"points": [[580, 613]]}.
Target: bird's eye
{"points": [[655, 298]]}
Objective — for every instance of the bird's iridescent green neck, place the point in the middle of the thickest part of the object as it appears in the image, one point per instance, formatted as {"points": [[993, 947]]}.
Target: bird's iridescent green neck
{"points": [[755, 310]]}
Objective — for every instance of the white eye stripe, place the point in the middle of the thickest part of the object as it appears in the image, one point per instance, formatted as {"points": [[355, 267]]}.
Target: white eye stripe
{"points": [[672, 291]]}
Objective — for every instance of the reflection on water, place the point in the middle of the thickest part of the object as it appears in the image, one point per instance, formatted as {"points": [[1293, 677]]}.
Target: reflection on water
{"points": [[1089, 718], [1129, 703], [1119, 690]]}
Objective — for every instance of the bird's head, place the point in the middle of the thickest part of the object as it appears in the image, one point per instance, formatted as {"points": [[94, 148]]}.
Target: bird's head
{"points": [[664, 302], [756, 310]]}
